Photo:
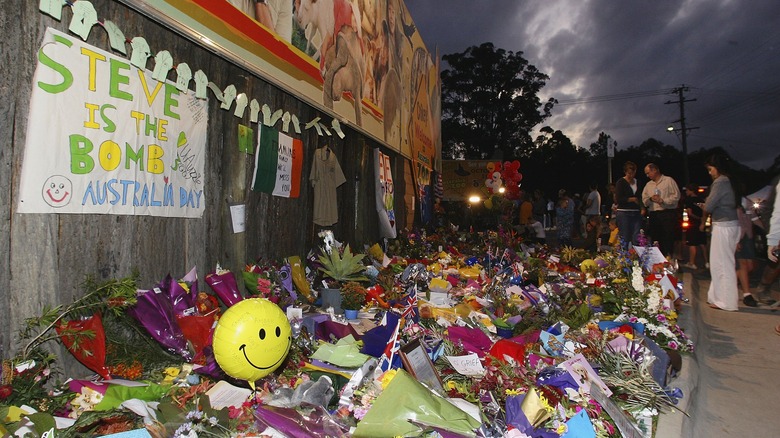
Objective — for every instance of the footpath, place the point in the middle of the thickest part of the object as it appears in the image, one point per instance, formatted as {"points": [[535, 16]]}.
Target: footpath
{"points": [[731, 382]]}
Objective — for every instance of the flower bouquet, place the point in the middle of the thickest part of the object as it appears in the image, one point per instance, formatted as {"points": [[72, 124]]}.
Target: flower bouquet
{"points": [[271, 280], [223, 283], [353, 296]]}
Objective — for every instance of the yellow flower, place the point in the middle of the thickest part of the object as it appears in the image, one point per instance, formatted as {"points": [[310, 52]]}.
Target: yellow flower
{"points": [[171, 373], [512, 392], [460, 387]]}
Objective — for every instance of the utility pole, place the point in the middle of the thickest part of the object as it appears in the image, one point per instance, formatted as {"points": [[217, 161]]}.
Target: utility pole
{"points": [[681, 96], [611, 145]]}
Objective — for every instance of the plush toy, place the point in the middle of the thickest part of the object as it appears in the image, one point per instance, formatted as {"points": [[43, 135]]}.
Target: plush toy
{"points": [[313, 392]]}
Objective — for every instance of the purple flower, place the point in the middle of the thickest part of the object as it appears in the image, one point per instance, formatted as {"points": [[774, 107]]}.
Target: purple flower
{"points": [[673, 345]]}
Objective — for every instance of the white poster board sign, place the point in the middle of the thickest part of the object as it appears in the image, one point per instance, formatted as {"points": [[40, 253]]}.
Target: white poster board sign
{"points": [[105, 137]]}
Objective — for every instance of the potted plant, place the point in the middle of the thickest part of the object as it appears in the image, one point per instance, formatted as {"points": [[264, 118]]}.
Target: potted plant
{"points": [[339, 268], [353, 298]]}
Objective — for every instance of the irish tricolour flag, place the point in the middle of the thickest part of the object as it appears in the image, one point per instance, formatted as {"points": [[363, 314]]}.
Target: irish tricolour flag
{"points": [[278, 164]]}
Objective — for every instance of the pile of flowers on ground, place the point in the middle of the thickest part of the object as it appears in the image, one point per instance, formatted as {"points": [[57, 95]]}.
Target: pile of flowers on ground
{"points": [[461, 334]]}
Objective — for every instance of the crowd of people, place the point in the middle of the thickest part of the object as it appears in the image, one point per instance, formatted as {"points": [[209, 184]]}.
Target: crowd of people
{"points": [[724, 228]]}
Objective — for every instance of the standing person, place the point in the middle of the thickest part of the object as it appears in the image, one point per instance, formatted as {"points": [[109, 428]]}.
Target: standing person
{"points": [[661, 196], [576, 206], [593, 202], [526, 210], [550, 218], [721, 207], [694, 237], [746, 250], [564, 216], [539, 206], [773, 235], [592, 205], [629, 212], [772, 269], [608, 206]]}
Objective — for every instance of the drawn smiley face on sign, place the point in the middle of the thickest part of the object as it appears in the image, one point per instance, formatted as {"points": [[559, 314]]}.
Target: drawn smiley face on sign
{"points": [[252, 339], [57, 191]]}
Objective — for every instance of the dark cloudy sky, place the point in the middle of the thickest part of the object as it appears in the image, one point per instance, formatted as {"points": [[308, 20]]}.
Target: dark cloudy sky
{"points": [[598, 51]]}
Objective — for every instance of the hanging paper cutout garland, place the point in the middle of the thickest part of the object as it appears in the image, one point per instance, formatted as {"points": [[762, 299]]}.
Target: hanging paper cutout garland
{"points": [[85, 17]]}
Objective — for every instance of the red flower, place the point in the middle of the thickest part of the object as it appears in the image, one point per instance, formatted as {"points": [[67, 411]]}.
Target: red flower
{"points": [[5, 391]]}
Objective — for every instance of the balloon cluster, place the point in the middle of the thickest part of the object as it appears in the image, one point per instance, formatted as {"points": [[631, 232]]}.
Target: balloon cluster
{"points": [[512, 177], [506, 176]]}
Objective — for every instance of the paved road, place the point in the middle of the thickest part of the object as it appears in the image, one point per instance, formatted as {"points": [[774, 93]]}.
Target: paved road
{"points": [[732, 381]]}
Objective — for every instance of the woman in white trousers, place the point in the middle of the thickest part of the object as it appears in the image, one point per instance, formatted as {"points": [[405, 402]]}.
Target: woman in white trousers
{"points": [[721, 207]]}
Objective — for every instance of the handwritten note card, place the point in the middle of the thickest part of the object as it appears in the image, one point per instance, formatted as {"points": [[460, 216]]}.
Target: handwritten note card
{"points": [[468, 365]]}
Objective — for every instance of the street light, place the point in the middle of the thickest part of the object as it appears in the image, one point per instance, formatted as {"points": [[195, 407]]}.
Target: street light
{"points": [[683, 138]]}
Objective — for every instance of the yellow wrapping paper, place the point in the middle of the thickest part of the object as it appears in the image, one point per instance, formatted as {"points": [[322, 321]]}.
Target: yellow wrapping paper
{"points": [[470, 273], [534, 408], [376, 252], [299, 276], [439, 285]]}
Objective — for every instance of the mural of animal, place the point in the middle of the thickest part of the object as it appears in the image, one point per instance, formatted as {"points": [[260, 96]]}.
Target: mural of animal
{"points": [[391, 92], [342, 65]]}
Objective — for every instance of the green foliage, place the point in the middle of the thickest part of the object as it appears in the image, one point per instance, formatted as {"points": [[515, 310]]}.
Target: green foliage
{"points": [[42, 423], [110, 297], [343, 267], [490, 102], [128, 343], [632, 383]]}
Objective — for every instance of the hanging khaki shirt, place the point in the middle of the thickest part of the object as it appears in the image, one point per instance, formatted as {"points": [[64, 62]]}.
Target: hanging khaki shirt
{"points": [[325, 177]]}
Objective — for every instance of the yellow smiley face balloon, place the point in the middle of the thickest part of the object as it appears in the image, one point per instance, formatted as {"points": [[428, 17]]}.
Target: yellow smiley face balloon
{"points": [[252, 339]]}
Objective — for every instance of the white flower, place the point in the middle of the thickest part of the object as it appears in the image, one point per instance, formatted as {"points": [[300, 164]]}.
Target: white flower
{"points": [[637, 281]]}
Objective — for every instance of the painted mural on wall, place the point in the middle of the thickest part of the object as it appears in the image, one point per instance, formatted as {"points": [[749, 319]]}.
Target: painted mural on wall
{"points": [[362, 59], [106, 137]]}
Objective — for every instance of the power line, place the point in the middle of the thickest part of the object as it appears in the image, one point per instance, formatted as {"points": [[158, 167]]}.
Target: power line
{"points": [[744, 93], [726, 140], [612, 97], [740, 107], [742, 63]]}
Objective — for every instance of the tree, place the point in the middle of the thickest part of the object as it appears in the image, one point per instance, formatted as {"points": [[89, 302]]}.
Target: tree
{"points": [[599, 148], [490, 103], [555, 163]]}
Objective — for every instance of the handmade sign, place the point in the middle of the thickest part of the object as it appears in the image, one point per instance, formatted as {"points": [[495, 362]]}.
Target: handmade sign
{"points": [[105, 137]]}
